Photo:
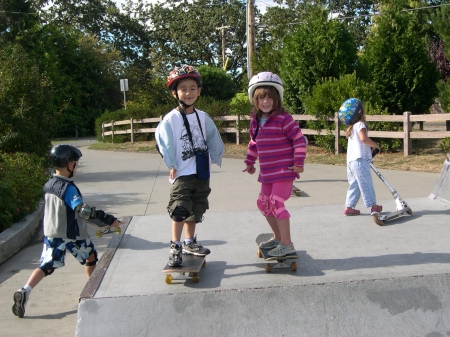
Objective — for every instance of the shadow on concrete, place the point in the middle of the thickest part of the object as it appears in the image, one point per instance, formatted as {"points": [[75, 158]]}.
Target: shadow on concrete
{"points": [[55, 316]]}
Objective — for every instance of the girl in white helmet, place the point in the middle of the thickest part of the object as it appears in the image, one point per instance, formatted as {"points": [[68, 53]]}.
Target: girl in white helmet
{"points": [[279, 144]]}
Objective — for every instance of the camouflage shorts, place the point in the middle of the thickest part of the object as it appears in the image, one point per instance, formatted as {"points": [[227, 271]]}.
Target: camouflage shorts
{"points": [[54, 252]]}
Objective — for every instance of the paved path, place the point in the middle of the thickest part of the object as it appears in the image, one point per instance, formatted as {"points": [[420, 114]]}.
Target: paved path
{"points": [[334, 250]]}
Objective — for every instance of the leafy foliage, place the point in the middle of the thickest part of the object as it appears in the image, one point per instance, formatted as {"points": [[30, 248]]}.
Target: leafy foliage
{"points": [[316, 49], [397, 63], [326, 98], [22, 177], [25, 99], [216, 83]]}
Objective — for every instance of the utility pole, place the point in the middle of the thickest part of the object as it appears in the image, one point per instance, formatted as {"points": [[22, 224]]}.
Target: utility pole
{"points": [[250, 36], [223, 43]]}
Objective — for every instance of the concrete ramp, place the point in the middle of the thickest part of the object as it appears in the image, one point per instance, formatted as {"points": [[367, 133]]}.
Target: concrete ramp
{"points": [[441, 189], [354, 278]]}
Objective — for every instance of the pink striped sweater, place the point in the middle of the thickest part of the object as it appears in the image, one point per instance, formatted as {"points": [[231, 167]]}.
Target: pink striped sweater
{"points": [[279, 144]]}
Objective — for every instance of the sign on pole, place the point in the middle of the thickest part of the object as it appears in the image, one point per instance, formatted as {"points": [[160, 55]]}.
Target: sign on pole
{"points": [[124, 87]]}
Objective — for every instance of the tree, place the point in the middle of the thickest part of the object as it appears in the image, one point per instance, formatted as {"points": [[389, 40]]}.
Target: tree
{"points": [[84, 75], [25, 98], [316, 48], [16, 16], [185, 32], [396, 61], [217, 83], [441, 24], [356, 14]]}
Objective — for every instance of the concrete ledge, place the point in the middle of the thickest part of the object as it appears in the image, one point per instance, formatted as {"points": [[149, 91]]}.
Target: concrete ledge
{"points": [[15, 237], [411, 306]]}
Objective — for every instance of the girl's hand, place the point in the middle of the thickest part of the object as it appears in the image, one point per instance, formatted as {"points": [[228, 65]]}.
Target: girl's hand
{"points": [[297, 169], [250, 169], [172, 173]]}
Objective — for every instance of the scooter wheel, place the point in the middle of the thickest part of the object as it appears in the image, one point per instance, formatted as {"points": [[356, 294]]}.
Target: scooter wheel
{"points": [[377, 221]]}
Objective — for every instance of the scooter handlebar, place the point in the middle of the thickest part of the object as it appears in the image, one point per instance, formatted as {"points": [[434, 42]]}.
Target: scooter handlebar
{"points": [[375, 152]]}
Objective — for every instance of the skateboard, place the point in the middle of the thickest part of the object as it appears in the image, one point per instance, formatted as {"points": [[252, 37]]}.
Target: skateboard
{"points": [[402, 206], [188, 271], [103, 228], [296, 191], [274, 262]]}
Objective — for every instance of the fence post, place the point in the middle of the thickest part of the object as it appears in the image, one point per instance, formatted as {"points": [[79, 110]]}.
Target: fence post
{"points": [[103, 131], [407, 141], [237, 130], [132, 134], [337, 134], [112, 131]]}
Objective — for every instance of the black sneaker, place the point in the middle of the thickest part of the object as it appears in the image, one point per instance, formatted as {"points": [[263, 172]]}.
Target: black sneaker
{"points": [[195, 248], [175, 258], [20, 300]]}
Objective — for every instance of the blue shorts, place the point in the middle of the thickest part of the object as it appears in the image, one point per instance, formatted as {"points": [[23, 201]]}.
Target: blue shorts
{"points": [[54, 251]]}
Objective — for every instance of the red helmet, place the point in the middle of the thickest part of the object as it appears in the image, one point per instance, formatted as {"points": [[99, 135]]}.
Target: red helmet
{"points": [[183, 72]]}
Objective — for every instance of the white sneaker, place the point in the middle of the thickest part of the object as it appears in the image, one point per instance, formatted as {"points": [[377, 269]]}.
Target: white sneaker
{"points": [[280, 250]]}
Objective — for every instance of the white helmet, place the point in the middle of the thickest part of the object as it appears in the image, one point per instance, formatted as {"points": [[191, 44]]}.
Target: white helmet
{"points": [[266, 78]]}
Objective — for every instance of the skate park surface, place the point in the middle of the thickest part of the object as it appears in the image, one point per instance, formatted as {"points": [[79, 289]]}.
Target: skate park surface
{"points": [[354, 278]]}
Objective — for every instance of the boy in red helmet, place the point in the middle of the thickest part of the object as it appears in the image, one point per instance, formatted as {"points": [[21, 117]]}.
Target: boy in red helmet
{"points": [[189, 142]]}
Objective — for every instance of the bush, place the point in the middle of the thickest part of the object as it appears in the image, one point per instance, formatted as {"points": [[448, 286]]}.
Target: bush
{"points": [[325, 100], [445, 145], [22, 177], [216, 83]]}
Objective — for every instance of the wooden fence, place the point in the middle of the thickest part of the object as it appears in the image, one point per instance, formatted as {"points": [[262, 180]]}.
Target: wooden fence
{"points": [[233, 122]]}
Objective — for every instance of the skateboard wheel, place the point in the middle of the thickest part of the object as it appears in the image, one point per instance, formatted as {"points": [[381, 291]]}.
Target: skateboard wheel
{"points": [[294, 266], [298, 193], [169, 278], [99, 233], [204, 263], [268, 267], [195, 277], [409, 212], [117, 230], [377, 221], [259, 253]]}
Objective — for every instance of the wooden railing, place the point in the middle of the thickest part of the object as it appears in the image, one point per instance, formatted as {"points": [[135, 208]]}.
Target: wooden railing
{"points": [[109, 129]]}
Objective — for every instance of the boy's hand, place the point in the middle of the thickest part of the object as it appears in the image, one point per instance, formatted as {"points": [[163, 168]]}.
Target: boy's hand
{"points": [[172, 173], [116, 223], [297, 169], [105, 217], [250, 169]]}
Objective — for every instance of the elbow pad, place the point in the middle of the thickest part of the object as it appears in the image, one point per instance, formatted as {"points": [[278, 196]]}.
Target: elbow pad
{"points": [[86, 211]]}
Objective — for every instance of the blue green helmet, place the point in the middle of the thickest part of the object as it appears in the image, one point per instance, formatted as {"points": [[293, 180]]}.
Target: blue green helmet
{"points": [[350, 111]]}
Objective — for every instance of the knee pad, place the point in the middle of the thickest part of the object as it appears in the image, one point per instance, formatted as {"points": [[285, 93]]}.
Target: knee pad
{"points": [[92, 263], [47, 271], [179, 214], [277, 207], [263, 204]]}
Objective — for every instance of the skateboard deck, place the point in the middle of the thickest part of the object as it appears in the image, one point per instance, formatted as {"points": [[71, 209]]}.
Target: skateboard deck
{"points": [[274, 262], [296, 191], [103, 228], [188, 271]]}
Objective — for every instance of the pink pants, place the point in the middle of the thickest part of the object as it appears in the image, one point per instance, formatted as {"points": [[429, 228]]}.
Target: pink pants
{"points": [[272, 197]]}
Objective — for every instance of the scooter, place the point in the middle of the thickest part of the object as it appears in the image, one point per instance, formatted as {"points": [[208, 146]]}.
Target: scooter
{"points": [[402, 206]]}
